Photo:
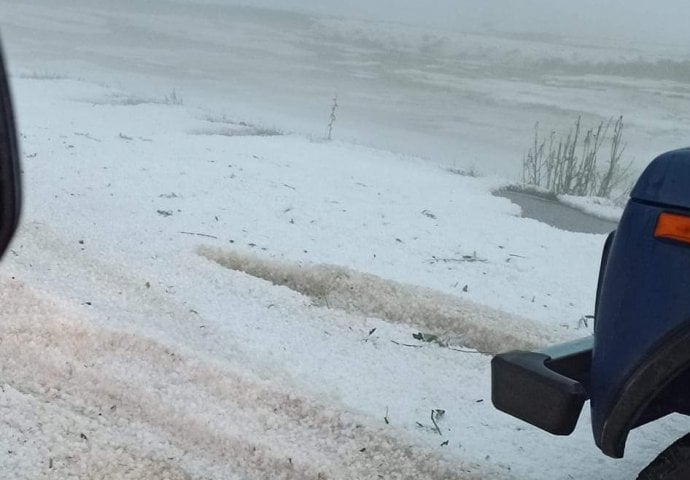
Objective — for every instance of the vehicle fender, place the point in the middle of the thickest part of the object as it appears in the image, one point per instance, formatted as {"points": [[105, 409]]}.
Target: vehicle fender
{"points": [[640, 399]]}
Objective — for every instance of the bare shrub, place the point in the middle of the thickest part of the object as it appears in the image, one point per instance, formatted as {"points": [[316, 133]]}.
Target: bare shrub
{"points": [[125, 99], [470, 171], [329, 128], [173, 99], [41, 75], [239, 130], [570, 165]]}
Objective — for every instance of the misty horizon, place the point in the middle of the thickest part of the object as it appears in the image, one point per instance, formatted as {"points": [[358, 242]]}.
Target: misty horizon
{"points": [[636, 21]]}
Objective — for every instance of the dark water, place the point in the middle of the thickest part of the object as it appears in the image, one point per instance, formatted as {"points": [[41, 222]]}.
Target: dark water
{"points": [[556, 214]]}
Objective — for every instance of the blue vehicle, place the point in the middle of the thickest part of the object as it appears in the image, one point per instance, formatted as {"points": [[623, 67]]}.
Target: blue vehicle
{"points": [[635, 369]]}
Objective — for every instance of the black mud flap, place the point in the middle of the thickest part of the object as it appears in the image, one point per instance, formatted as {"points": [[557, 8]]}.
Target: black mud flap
{"points": [[546, 389]]}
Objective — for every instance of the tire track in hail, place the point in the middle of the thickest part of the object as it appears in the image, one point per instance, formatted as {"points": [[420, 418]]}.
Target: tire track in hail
{"points": [[225, 417]]}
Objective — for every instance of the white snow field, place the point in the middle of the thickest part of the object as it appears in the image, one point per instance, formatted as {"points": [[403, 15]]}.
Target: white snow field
{"points": [[194, 294]]}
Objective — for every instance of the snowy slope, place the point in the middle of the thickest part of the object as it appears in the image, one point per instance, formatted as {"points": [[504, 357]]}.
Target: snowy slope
{"points": [[187, 299], [193, 296]]}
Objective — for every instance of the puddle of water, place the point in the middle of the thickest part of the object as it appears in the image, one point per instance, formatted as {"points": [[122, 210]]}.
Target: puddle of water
{"points": [[557, 214]]}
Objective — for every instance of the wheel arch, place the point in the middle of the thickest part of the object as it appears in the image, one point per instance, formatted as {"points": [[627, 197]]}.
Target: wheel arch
{"points": [[643, 397]]}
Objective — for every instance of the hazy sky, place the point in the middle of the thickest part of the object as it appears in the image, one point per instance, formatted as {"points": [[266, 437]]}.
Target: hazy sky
{"points": [[663, 20]]}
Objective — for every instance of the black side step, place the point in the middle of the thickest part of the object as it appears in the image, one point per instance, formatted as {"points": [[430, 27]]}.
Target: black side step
{"points": [[546, 389]]}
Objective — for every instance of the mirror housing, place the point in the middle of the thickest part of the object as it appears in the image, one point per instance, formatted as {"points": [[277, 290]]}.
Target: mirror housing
{"points": [[10, 187]]}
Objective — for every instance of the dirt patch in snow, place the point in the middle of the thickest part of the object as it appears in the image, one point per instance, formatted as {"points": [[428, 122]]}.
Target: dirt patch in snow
{"points": [[470, 324]]}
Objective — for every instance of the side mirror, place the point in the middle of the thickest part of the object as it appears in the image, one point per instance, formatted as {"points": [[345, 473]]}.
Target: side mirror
{"points": [[10, 187]]}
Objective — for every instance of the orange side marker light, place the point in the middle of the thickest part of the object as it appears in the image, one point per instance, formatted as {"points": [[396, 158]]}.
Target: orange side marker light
{"points": [[673, 226]]}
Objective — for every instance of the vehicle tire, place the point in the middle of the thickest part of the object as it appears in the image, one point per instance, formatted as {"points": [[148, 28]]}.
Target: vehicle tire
{"points": [[671, 464]]}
